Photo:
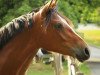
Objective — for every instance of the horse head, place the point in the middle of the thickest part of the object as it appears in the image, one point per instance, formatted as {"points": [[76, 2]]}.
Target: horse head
{"points": [[55, 33]]}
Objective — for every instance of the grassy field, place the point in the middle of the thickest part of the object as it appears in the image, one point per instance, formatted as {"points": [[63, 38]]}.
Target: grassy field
{"points": [[92, 36], [42, 69]]}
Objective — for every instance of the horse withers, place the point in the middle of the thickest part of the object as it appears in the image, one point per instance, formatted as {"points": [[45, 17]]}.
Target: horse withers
{"points": [[22, 37]]}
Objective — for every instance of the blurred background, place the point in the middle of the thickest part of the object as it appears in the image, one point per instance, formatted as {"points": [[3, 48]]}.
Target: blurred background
{"points": [[85, 15]]}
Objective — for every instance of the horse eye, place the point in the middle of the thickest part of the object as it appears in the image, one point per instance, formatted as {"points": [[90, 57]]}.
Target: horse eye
{"points": [[58, 26]]}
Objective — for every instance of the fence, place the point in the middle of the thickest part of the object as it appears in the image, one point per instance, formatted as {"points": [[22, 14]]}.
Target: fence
{"points": [[72, 65]]}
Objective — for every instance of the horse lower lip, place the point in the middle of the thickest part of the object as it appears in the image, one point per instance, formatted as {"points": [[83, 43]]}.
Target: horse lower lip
{"points": [[80, 58]]}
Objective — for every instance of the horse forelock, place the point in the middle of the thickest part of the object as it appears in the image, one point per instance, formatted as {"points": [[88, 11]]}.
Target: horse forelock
{"points": [[49, 15], [14, 27]]}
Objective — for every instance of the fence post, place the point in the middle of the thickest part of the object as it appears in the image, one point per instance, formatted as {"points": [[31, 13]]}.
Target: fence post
{"points": [[72, 67], [58, 63]]}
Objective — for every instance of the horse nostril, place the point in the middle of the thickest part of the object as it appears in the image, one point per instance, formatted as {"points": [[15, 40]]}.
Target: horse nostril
{"points": [[83, 55], [86, 51]]}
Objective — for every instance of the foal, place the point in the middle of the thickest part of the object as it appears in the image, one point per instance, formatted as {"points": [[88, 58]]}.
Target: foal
{"points": [[22, 37]]}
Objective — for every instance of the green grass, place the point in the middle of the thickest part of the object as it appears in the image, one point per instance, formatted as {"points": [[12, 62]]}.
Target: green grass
{"points": [[92, 37], [42, 69], [84, 69]]}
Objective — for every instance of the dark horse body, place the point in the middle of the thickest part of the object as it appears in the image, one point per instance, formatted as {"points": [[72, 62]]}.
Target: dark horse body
{"points": [[20, 39]]}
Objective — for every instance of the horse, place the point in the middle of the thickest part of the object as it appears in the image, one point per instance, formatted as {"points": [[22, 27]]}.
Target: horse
{"points": [[23, 36]]}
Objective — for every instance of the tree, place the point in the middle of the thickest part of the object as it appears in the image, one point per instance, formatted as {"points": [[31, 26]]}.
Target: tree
{"points": [[79, 11]]}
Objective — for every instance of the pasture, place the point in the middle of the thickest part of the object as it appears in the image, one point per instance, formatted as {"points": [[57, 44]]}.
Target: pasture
{"points": [[42, 69], [92, 37]]}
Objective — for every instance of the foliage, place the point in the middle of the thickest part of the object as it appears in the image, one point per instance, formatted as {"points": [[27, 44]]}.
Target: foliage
{"points": [[65, 8], [84, 11]]}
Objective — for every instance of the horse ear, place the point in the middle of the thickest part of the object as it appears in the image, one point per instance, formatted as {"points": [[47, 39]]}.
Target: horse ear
{"points": [[49, 6], [52, 4]]}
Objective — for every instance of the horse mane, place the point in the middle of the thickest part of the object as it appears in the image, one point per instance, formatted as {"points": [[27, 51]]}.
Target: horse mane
{"points": [[14, 27], [17, 25]]}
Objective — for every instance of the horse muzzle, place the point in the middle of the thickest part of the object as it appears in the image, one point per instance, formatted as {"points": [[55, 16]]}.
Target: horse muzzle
{"points": [[83, 55]]}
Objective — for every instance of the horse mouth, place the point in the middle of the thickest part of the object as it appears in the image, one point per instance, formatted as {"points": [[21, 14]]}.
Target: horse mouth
{"points": [[79, 58]]}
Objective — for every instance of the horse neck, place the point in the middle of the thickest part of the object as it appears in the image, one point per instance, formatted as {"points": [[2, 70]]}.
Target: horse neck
{"points": [[16, 54]]}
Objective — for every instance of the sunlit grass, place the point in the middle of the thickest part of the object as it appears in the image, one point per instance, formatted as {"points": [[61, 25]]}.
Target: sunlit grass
{"points": [[42, 69], [92, 36]]}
